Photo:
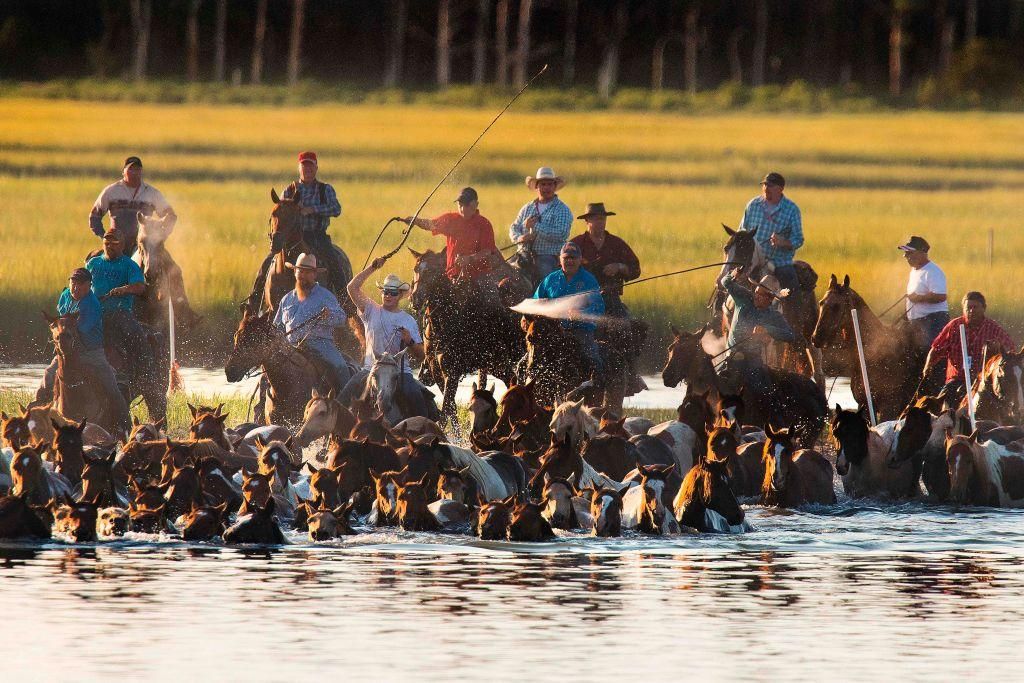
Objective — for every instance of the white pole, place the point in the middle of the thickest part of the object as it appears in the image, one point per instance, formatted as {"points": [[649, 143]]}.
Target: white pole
{"points": [[967, 375], [863, 366], [170, 337]]}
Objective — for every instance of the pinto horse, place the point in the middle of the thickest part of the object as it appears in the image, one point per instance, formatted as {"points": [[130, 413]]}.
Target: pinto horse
{"points": [[999, 389], [705, 501], [987, 474], [462, 334], [796, 400], [292, 376], [893, 357], [794, 477]]}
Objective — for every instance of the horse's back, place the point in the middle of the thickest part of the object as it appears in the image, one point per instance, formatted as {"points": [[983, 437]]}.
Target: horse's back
{"points": [[511, 470]]}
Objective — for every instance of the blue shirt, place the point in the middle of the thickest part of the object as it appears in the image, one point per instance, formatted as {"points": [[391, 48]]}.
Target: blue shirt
{"points": [[784, 219], [556, 285], [309, 196], [292, 312], [552, 229], [90, 317], [747, 316], [107, 274]]}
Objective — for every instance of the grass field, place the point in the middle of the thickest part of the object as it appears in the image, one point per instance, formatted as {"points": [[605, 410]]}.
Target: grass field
{"points": [[863, 181]]}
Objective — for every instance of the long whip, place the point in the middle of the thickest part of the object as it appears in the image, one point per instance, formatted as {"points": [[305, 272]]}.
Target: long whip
{"points": [[408, 230]]}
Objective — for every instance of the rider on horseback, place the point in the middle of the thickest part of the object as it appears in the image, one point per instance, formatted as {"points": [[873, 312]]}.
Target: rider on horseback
{"points": [[754, 325], [571, 279], [298, 310], [319, 204], [775, 221], [389, 329], [117, 280], [470, 240], [125, 199], [543, 225], [79, 299], [608, 258]]}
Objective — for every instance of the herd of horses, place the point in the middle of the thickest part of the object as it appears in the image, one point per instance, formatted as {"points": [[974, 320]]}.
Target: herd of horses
{"points": [[547, 456]]}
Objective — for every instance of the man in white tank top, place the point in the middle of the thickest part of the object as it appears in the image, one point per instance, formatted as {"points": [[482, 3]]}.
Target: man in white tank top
{"points": [[927, 309]]}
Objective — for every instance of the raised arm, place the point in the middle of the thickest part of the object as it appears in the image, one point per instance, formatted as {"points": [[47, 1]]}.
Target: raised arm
{"points": [[355, 287]]}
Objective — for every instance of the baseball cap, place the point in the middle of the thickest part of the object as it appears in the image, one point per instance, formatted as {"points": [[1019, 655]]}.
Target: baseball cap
{"points": [[915, 243], [774, 178], [112, 234], [81, 274], [466, 195], [307, 156], [132, 160], [571, 248]]}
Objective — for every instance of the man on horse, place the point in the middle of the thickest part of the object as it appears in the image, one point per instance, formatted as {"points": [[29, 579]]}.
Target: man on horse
{"points": [[117, 280], [319, 204], [927, 309], [775, 221], [754, 325], [571, 279], [469, 240], [79, 299], [981, 331], [389, 329], [607, 257], [543, 225], [125, 199], [309, 314]]}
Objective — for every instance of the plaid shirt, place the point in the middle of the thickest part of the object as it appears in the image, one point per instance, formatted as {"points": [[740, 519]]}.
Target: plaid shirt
{"points": [[309, 195], [552, 230], [784, 219], [947, 345]]}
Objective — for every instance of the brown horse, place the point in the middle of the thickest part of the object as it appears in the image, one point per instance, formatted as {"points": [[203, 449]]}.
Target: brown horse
{"points": [[705, 501], [893, 357], [555, 361], [796, 400], [462, 335], [324, 415], [999, 389], [527, 523], [291, 375], [988, 473], [794, 477], [163, 278]]}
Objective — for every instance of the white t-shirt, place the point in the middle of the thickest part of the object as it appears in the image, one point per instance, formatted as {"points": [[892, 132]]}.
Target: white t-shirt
{"points": [[382, 332], [928, 279], [118, 198]]}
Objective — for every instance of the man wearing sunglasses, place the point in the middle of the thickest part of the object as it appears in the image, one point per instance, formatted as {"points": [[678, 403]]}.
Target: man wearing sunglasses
{"points": [[389, 329]]}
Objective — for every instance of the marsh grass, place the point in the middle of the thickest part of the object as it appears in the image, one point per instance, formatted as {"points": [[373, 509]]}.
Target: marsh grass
{"points": [[863, 182]]}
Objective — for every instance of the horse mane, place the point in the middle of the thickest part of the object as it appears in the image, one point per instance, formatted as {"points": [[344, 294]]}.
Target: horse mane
{"points": [[696, 484], [204, 448]]}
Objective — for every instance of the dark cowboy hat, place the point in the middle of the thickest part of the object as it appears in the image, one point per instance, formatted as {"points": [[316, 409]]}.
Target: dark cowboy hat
{"points": [[596, 209]]}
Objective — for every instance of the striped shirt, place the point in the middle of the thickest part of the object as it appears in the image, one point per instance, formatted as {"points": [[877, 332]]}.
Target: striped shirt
{"points": [[310, 196], [124, 203], [947, 345], [552, 230], [783, 219]]}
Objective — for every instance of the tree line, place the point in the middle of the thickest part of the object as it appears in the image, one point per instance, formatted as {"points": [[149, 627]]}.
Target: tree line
{"points": [[876, 45]]}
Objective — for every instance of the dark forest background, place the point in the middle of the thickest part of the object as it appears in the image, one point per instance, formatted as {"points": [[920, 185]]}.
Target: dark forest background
{"points": [[971, 50]]}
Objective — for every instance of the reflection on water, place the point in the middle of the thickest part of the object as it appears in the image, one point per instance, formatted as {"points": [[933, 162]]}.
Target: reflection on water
{"points": [[859, 593]]}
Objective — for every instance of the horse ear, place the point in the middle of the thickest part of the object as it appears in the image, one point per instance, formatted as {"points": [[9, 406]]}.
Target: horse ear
{"points": [[50, 320], [728, 231], [168, 443], [415, 254], [374, 474], [4, 416], [161, 423], [491, 388], [676, 332], [192, 409], [475, 387], [274, 196], [480, 500], [314, 393], [974, 436], [135, 421], [625, 490], [330, 394], [258, 441], [863, 411], [846, 281], [309, 466], [289, 442], [832, 281]]}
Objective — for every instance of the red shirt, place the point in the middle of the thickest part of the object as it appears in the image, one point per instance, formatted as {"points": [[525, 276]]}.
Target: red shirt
{"points": [[947, 345], [466, 236]]}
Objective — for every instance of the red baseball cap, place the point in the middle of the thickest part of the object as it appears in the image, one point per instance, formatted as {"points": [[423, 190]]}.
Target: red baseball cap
{"points": [[307, 156]]}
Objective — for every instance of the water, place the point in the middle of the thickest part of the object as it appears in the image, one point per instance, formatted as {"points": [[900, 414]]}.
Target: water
{"points": [[211, 382], [856, 592]]}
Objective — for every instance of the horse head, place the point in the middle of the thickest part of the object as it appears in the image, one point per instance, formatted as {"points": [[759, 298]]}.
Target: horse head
{"points": [[557, 496], [15, 431], [382, 385], [834, 312], [527, 522], [483, 409], [154, 231], [777, 457], [913, 435], [850, 433], [684, 353], [253, 343], [428, 274], [742, 250], [606, 511], [960, 461], [285, 223], [494, 518]]}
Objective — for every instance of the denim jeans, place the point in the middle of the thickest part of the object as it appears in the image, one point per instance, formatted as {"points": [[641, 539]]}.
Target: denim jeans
{"points": [[546, 264], [588, 344], [926, 329], [326, 351]]}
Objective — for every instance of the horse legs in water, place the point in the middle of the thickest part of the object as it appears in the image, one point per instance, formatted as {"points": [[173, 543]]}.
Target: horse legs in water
{"points": [[449, 413]]}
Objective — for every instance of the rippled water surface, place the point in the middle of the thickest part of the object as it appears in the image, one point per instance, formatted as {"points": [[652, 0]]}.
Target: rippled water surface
{"points": [[854, 592]]}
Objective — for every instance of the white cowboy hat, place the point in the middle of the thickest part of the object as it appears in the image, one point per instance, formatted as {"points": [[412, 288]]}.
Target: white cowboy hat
{"points": [[392, 281], [306, 262], [545, 173]]}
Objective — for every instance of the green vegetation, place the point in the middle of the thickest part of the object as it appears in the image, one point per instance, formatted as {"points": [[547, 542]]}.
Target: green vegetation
{"points": [[863, 181]]}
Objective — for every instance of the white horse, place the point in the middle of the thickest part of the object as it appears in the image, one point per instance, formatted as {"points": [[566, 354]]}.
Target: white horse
{"points": [[382, 385], [572, 418]]}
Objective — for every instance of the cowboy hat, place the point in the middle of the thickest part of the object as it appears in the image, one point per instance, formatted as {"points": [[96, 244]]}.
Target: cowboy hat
{"points": [[596, 209], [306, 262], [545, 173], [392, 281]]}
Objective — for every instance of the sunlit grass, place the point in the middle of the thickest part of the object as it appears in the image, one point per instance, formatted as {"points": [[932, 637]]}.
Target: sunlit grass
{"points": [[863, 182]]}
